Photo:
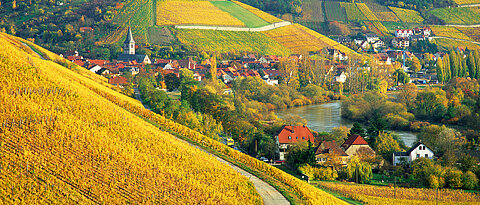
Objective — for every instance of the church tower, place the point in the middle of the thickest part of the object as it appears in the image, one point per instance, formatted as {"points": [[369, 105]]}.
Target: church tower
{"points": [[129, 44]]}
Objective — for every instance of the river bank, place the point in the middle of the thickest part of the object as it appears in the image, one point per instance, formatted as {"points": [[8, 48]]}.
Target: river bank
{"points": [[324, 117]]}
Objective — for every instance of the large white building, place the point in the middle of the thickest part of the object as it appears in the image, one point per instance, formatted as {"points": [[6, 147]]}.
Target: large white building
{"points": [[417, 151]]}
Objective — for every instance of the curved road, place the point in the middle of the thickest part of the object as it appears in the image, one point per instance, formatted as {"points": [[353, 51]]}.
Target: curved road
{"points": [[226, 28], [270, 195]]}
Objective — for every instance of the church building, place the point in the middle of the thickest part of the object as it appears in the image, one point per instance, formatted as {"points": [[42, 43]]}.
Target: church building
{"points": [[129, 51]]}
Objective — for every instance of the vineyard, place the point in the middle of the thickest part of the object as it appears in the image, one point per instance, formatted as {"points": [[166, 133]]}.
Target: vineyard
{"points": [[388, 195], [265, 16], [462, 2], [448, 43], [448, 31], [77, 147], [406, 15], [464, 15], [386, 16], [377, 28], [229, 42], [312, 11], [140, 148], [193, 13], [353, 13], [248, 18], [335, 12], [473, 33], [366, 12], [135, 12]]}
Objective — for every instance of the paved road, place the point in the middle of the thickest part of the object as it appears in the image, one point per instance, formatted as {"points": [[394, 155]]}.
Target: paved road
{"points": [[466, 26], [456, 39], [469, 5], [225, 28], [270, 195]]}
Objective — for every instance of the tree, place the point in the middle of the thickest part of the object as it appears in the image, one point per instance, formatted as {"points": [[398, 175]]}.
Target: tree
{"points": [[477, 63], [172, 81], [357, 129], [340, 134], [470, 180], [407, 95], [440, 70], [357, 168], [386, 145], [454, 178], [472, 67], [416, 66], [213, 69], [399, 76]]}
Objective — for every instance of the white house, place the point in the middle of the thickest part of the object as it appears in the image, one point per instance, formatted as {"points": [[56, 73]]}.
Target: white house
{"points": [[403, 33], [95, 68], [371, 37], [417, 151]]}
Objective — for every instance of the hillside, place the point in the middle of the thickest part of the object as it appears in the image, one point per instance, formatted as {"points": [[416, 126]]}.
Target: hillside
{"points": [[61, 142]]}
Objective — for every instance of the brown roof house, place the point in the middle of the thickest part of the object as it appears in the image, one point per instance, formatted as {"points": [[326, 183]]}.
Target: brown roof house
{"points": [[117, 81], [355, 145], [328, 153], [291, 134]]}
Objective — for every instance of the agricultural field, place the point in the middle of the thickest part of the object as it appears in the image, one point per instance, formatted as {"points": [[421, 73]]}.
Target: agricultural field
{"points": [[229, 42], [386, 16], [193, 13], [335, 12], [312, 11], [366, 12], [448, 43], [135, 12], [448, 31], [464, 15], [375, 6], [265, 16], [300, 39], [463, 2], [370, 194], [64, 139], [377, 27], [159, 35], [353, 13], [406, 15], [248, 18], [473, 33]]}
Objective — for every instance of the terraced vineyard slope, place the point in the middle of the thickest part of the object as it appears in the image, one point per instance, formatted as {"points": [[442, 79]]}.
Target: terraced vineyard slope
{"points": [[61, 142]]}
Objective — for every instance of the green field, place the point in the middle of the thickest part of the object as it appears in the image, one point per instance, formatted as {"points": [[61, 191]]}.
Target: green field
{"points": [[229, 42], [251, 20], [335, 12], [464, 15], [406, 15]]}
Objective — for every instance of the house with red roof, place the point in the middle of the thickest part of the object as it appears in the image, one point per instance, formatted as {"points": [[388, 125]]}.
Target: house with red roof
{"points": [[117, 81], [354, 143], [329, 151], [288, 135]]}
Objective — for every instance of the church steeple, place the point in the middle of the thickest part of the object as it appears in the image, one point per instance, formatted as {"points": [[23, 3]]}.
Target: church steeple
{"points": [[129, 44]]}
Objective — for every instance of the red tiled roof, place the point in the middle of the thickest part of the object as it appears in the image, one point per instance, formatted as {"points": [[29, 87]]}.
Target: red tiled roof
{"points": [[98, 62], [330, 148], [118, 80], [79, 62], [354, 140], [291, 134]]}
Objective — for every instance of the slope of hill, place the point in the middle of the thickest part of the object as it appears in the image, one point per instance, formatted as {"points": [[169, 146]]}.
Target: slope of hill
{"points": [[61, 142]]}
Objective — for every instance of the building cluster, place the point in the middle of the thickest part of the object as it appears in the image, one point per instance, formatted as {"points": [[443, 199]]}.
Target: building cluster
{"points": [[328, 153]]}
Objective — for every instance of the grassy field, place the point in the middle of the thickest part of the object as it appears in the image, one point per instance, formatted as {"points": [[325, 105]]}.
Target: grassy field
{"points": [[465, 15], [312, 11], [335, 12], [449, 31], [353, 13], [265, 16], [370, 194], [406, 15], [462, 2], [229, 42], [193, 13], [248, 18], [473, 33]]}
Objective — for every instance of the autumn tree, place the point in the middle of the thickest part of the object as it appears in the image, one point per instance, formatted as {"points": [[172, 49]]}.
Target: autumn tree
{"points": [[407, 95]]}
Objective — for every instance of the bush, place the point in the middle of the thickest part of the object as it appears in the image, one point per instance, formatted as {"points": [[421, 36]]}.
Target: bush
{"points": [[318, 173], [470, 180]]}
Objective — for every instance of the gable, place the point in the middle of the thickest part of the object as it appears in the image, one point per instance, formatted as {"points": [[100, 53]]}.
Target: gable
{"points": [[291, 134]]}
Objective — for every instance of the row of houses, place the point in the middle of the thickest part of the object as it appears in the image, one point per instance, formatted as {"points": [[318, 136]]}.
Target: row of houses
{"points": [[328, 151]]}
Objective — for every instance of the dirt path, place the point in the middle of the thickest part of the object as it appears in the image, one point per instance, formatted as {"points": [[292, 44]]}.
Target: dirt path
{"points": [[269, 194], [226, 28]]}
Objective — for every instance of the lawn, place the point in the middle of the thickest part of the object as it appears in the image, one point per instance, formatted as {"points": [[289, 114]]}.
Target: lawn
{"points": [[248, 18], [406, 15]]}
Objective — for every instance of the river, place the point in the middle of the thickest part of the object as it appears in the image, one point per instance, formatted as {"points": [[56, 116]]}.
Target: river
{"points": [[324, 117]]}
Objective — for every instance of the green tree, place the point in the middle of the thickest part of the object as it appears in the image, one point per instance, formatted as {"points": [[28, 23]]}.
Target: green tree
{"points": [[386, 145], [172, 81], [477, 63], [472, 67], [470, 180], [357, 129], [440, 70], [454, 178]]}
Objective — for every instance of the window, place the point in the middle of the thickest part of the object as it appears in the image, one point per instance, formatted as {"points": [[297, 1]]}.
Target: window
{"points": [[131, 46], [303, 137], [426, 155], [297, 138], [290, 137], [418, 155]]}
